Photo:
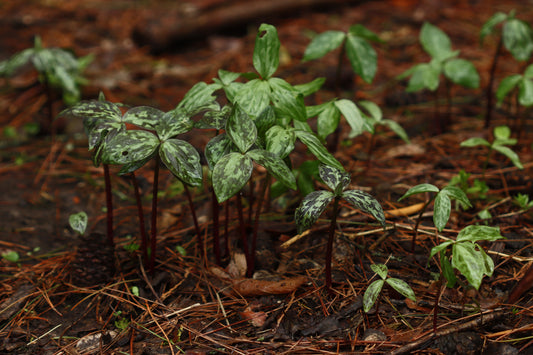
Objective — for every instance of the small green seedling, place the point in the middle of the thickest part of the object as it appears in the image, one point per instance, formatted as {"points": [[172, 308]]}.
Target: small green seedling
{"points": [[523, 202], [363, 59], [445, 61], [501, 140], [314, 204], [467, 256], [355, 43], [516, 36], [58, 69], [78, 222], [11, 256], [442, 206], [474, 190], [372, 292]]}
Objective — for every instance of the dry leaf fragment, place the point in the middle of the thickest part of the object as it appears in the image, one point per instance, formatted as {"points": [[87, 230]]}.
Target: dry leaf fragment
{"points": [[251, 287]]}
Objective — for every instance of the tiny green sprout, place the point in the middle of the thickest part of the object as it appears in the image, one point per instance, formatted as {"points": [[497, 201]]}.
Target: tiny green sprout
{"points": [[181, 250], [121, 322], [524, 84], [131, 247], [355, 43], [11, 256], [443, 61], [522, 201], [372, 292], [502, 138], [517, 37], [442, 204], [78, 222], [314, 204], [476, 190], [135, 290]]}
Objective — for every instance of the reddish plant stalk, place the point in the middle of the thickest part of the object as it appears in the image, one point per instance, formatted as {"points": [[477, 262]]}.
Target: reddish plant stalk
{"points": [[242, 229], [153, 235], [256, 225], [109, 205], [216, 225], [196, 225], [142, 227], [329, 248]]}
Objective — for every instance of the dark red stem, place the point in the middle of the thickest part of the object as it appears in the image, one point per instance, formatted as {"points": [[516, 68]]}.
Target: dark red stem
{"points": [[142, 227], [195, 219], [488, 113], [109, 205], [256, 224], [331, 237], [153, 235], [216, 225]]}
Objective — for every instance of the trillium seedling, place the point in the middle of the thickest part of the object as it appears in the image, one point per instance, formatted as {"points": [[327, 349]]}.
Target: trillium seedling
{"points": [[314, 204]]}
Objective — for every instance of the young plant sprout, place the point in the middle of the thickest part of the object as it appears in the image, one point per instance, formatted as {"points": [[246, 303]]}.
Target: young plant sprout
{"points": [[316, 202], [443, 61], [372, 292], [502, 138], [516, 36], [58, 70], [467, 256], [442, 206]]}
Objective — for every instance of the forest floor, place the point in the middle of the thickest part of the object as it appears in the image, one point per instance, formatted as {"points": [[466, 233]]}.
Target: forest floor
{"points": [[189, 305]]}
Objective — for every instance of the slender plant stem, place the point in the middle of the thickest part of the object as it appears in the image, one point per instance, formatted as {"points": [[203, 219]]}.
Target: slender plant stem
{"points": [[109, 205], [226, 229], [244, 238], [216, 226], [413, 242], [488, 94], [436, 307], [153, 230], [329, 248], [142, 227], [334, 143], [256, 223], [251, 200], [195, 219]]}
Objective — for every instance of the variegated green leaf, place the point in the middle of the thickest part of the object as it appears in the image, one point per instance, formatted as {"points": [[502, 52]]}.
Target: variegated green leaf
{"points": [[323, 43], [129, 146], [381, 269], [241, 129], [182, 159], [311, 208], [317, 149], [470, 260], [352, 115], [216, 148], [78, 222], [457, 194], [366, 203], [441, 210], [253, 97], [476, 233], [274, 165], [336, 180], [198, 98], [419, 189], [264, 122], [280, 141], [362, 56], [230, 174], [143, 116], [402, 287], [172, 123], [289, 102], [328, 120], [371, 294], [266, 51], [94, 111], [214, 118], [310, 87]]}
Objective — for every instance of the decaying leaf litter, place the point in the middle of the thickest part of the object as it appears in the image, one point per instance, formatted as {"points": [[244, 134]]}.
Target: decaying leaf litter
{"points": [[202, 308]]}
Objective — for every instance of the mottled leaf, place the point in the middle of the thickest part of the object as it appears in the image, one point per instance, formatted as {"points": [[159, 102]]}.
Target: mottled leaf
{"points": [[78, 222], [173, 123], [241, 129], [366, 203], [328, 120], [280, 141], [381, 269], [469, 259], [371, 294], [129, 146], [266, 51], [476, 233], [435, 41], [323, 43], [402, 287], [317, 149], [182, 159], [311, 208], [419, 189], [462, 72], [336, 180], [518, 38], [198, 98], [352, 115], [441, 210], [456, 194], [253, 97], [143, 116], [362, 57], [230, 174], [274, 165], [216, 148]]}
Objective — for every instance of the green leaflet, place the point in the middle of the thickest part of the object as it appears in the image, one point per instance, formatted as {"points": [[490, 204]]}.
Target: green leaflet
{"points": [[352, 115], [143, 116], [323, 43], [371, 294], [78, 222], [266, 51], [198, 98], [362, 56], [230, 174], [402, 287], [336, 180], [366, 203], [469, 259], [172, 123], [318, 149], [419, 189], [182, 159], [241, 129], [280, 141], [311, 208], [274, 165], [128, 147], [216, 148]]}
